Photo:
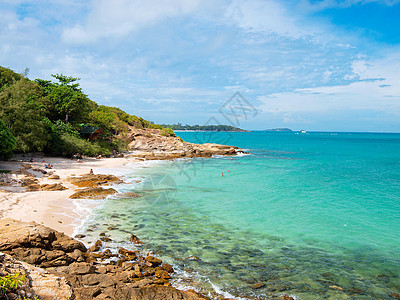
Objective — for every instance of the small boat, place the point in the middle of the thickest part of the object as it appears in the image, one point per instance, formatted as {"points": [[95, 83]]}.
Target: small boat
{"points": [[303, 131]]}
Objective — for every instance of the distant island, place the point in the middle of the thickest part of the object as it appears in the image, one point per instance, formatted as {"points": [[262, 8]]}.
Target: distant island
{"points": [[279, 129], [187, 127]]}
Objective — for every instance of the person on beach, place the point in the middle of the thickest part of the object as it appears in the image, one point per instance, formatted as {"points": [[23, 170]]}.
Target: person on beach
{"points": [[91, 171]]}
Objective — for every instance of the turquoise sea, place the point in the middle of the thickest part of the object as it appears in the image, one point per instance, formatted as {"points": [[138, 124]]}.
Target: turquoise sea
{"points": [[313, 215]]}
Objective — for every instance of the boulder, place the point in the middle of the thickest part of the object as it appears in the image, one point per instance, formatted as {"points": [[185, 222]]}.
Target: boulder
{"points": [[92, 180], [37, 244], [53, 187], [93, 193], [134, 239], [96, 247], [168, 268], [152, 261]]}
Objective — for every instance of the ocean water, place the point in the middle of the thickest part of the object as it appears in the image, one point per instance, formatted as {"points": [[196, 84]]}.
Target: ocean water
{"points": [[312, 215]]}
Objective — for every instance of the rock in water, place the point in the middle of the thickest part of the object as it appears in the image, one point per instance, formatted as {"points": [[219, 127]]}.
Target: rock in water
{"points": [[134, 239], [91, 180], [93, 193], [335, 287], [152, 261]]}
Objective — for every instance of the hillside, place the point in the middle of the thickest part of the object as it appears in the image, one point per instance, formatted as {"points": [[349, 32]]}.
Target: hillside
{"points": [[57, 118]]}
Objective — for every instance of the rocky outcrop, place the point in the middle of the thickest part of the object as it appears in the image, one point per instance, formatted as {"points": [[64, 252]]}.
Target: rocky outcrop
{"points": [[47, 286], [150, 144], [93, 193], [38, 245], [31, 185], [91, 180], [52, 187], [73, 273]]}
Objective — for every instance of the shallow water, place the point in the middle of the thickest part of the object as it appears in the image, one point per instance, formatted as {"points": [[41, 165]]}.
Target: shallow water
{"points": [[303, 213]]}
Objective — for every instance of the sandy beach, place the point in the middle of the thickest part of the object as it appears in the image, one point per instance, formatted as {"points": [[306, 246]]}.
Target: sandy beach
{"points": [[51, 208]]}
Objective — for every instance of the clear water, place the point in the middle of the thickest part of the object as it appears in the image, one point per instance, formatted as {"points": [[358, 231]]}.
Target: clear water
{"points": [[303, 213]]}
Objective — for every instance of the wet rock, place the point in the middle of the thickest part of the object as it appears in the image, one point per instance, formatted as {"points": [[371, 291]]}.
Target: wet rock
{"points": [[192, 257], [108, 253], [160, 273], [93, 193], [285, 297], [127, 266], [54, 177], [395, 295], [96, 247], [257, 285], [152, 261], [80, 236], [137, 270], [134, 239], [168, 268], [112, 228], [335, 287], [105, 239]]}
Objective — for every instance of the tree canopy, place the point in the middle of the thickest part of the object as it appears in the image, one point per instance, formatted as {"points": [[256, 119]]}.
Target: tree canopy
{"points": [[65, 99]]}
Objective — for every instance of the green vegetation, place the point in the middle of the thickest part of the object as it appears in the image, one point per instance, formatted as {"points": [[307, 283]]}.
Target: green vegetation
{"points": [[167, 132], [11, 282], [46, 116], [179, 126], [8, 142]]}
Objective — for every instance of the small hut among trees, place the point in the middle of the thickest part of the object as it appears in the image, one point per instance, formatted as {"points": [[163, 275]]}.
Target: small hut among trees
{"points": [[91, 133]]}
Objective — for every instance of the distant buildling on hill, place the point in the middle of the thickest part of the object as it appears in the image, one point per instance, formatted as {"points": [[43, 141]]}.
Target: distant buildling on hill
{"points": [[179, 126]]}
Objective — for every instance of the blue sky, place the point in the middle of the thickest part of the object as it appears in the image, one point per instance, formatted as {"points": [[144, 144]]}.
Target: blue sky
{"points": [[314, 65]]}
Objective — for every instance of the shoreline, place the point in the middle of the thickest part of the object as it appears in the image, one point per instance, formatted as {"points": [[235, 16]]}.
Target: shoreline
{"points": [[53, 209]]}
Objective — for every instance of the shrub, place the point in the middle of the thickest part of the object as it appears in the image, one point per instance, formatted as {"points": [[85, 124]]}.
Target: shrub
{"points": [[11, 282], [167, 132], [155, 126]]}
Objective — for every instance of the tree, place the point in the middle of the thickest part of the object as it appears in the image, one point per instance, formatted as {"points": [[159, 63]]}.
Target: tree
{"points": [[22, 110], [66, 101], [7, 141], [8, 77]]}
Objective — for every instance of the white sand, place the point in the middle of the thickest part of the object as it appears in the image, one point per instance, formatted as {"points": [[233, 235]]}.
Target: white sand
{"points": [[52, 208]]}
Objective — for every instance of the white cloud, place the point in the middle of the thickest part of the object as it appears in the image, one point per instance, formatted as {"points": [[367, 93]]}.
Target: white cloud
{"points": [[121, 17], [271, 17], [377, 91]]}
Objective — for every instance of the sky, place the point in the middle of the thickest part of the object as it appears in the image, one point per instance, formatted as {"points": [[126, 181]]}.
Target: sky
{"points": [[325, 65]]}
